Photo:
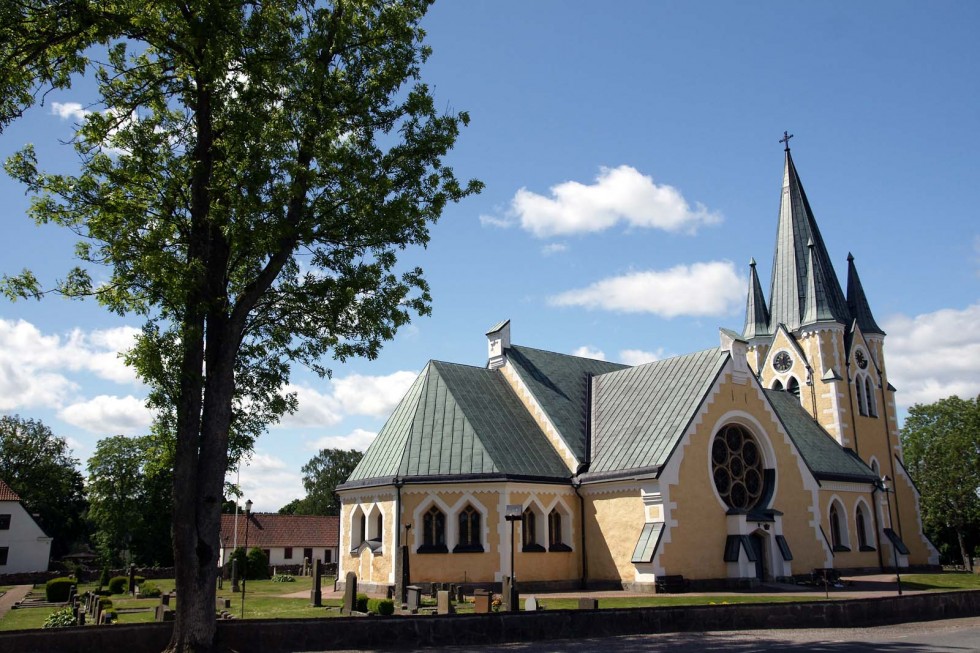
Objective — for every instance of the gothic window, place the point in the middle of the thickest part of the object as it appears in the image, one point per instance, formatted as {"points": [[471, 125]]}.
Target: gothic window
{"points": [[736, 466], [529, 531], [862, 405], [378, 527], [362, 528], [556, 531], [777, 385], [433, 532], [358, 528], [793, 386], [872, 406], [838, 532], [469, 531], [860, 523]]}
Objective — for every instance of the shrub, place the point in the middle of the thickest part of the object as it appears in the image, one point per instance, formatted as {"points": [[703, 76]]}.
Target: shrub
{"points": [[105, 604], [62, 618], [258, 565], [150, 590], [283, 578], [57, 590], [119, 585], [104, 577], [383, 607], [361, 604]]}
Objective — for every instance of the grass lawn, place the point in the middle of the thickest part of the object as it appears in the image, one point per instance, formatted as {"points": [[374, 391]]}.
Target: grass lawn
{"points": [[953, 580]]}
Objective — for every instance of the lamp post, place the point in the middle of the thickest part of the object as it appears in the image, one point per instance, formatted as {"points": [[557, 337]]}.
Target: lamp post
{"points": [[513, 513], [887, 491], [248, 514], [406, 572]]}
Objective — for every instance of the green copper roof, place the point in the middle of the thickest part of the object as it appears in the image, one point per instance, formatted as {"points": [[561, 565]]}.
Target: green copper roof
{"points": [[640, 413], [857, 302], [756, 313], [817, 302], [823, 455], [790, 269], [458, 420], [560, 383]]}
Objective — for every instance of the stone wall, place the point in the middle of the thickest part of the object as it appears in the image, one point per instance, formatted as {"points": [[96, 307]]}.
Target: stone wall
{"points": [[86, 575], [294, 635]]}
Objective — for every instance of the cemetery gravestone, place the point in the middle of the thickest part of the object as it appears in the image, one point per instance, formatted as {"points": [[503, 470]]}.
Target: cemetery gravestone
{"points": [[442, 603], [414, 596], [350, 593], [481, 601], [531, 604], [316, 596], [588, 604]]}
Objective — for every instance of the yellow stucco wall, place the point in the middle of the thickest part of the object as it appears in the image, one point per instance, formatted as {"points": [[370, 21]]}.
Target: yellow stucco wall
{"points": [[614, 518]]}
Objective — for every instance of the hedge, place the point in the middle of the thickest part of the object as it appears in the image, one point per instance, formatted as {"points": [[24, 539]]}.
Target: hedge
{"points": [[383, 607], [57, 590]]}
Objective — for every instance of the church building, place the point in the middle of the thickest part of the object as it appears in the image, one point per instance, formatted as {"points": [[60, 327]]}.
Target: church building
{"points": [[768, 456]]}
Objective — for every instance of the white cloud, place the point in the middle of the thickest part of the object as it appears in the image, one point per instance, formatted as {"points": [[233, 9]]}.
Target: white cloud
{"points": [[107, 415], [268, 482], [934, 355], [34, 366], [373, 396], [554, 248], [358, 439], [587, 351], [701, 289], [69, 110], [639, 357], [621, 194], [315, 409], [492, 221]]}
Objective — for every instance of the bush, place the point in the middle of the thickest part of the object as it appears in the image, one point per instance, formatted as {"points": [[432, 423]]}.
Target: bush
{"points": [[283, 578], [361, 604], [150, 590], [62, 618], [258, 565], [119, 585], [104, 577], [57, 590], [105, 604], [383, 607]]}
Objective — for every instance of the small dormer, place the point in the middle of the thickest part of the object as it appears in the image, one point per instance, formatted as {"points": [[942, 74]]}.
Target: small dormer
{"points": [[498, 341]]}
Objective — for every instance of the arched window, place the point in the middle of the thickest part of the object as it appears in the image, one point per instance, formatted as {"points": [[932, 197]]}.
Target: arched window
{"points": [[872, 406], [862, 405], [358, 528], [362, 528], [379, 523], [838, 532], [777, 385], [433, 532], [861, 523], [469, 531], [556, 531], [793, 387], [529, 531]]}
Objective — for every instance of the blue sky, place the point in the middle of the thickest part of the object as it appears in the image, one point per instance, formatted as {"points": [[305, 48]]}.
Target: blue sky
{"points": [[632, 167]]}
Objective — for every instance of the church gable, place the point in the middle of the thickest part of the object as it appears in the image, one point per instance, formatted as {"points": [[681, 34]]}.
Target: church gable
{"points": [[785, 366]]}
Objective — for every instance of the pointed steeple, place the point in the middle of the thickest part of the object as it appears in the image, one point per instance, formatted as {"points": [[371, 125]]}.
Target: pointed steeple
{"points": [[857, 301], [816, 305], [788, 291], [756, 313]]}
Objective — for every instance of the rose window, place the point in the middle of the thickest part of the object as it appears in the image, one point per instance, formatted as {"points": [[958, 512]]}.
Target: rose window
{"points": [[736, 465]]}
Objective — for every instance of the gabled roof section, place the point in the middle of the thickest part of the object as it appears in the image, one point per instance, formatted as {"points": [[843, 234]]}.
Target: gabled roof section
{"points": [[458, 420], [560, 383], [640, 413], [6, 493], [857, 301], [790, 271], [756, 312], [823, 455], [273, 530]]}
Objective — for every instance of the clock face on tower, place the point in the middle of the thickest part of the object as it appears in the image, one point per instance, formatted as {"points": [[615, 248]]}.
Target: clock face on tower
{"points": [[861, 360], [782, 361]]}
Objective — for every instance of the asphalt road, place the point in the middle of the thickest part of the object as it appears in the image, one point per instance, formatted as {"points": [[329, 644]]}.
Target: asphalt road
{"points": [[949, 636]]}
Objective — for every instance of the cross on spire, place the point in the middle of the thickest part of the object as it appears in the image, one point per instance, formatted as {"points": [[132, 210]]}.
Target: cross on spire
{"points": [[785, 139]]}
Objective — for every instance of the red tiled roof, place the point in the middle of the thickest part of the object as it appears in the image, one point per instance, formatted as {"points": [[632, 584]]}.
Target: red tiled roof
{"points": [[6, 494], [267, 530]]}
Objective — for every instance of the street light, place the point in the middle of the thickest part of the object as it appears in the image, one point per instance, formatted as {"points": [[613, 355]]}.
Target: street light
{"points": [[887, 491], [406, 572], [248, 513], [513, 513]]}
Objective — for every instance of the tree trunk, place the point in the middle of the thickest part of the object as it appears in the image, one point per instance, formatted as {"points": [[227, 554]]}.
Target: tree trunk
{"points": [[967, 560]]}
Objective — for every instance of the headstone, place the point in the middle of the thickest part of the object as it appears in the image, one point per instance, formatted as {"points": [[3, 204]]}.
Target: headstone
{"points": [[221, 581], [165, 599], [234, 575], [390, 592], [71, 594], [414, 596], [132, 579], [316, 596], [531, 604], [481, 601], [221, 604], [350, 593], [459, 594], [588, 604], [80, 621], [442, 603], [507, 597], [306, 566], [163, 613]]}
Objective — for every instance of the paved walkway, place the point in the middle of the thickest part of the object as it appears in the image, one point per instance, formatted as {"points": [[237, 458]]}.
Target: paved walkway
{"points": [[13, 595]]}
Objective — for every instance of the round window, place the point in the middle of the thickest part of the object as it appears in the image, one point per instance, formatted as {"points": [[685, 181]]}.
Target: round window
{"points": [[736, 466]]}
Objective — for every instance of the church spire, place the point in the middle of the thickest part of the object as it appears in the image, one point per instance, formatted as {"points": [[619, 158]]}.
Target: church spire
{"points": [[857, 302], [791, 268], [816, 304], [756, 313]]}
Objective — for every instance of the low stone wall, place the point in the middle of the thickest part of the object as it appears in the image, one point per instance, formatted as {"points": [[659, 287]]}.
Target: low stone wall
{"points": [[86, 575], [295, 635]]}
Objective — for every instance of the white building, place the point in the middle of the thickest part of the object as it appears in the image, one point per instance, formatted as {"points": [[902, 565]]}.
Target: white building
{"points": [[24, 547], [286, 539]]}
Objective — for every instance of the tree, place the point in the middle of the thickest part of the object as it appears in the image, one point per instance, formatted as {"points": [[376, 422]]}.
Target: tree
{"points": [[129, 489], [321, 476], [249, 178], [38, 466], [941, 443]]}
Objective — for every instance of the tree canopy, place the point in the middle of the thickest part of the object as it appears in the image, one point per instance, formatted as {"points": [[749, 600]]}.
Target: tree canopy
{"points": [[39, 467], [321, 476], [248, 174], [941, 445]]}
